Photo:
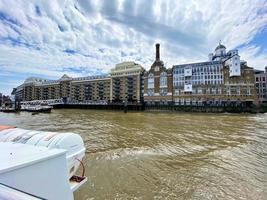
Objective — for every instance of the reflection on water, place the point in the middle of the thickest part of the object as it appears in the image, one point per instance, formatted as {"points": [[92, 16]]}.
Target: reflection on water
{"points": [[164, 155]]}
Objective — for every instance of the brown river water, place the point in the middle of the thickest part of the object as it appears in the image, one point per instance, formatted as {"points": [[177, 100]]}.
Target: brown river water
{"points": [[152, 155]]}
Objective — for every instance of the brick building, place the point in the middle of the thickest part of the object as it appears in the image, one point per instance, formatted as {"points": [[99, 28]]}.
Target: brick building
{"points": [[222, 80], [158, 82], [260, 83]]}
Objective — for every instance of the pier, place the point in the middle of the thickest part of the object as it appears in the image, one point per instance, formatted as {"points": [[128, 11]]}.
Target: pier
{"points": [[134, 106]]}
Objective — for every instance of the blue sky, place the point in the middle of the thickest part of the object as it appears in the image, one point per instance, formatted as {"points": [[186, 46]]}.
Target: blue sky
{"points": [[47, 38]]}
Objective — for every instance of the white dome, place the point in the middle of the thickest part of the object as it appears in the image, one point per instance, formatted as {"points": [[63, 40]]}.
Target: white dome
{"points": [[220, 50]]}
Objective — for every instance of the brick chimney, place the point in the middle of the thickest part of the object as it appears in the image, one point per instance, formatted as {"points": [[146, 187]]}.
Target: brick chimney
{"points": [[157, 51]]}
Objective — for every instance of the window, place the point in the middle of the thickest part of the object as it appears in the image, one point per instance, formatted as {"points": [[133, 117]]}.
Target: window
{"points": [[219, 91], [238, 90], [150, 81], [163, 79], [150, 92], [248, 91], [228, 91], [163, 91]]}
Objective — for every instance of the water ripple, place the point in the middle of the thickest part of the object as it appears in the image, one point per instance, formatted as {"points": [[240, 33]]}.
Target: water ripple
{"points": [[143, 155]]}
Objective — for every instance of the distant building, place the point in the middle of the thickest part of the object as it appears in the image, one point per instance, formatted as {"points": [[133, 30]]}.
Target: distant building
{"points": [[222, 80], [5, 101], [1, 99], [95, 88], [196, 83], [126, 82], [123, 84], [91, 88], [260, 83], [158, 82]]}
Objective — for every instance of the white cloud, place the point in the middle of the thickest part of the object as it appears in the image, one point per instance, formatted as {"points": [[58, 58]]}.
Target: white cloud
{"points": [[103, 33], [254, 58]]}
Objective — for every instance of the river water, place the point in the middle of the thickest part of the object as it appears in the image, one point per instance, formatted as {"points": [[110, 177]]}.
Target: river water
{"points": [[152, 155]]}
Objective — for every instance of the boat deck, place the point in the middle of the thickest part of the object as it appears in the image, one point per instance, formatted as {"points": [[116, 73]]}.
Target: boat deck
{"points": [[16, 155], [7, 192]]}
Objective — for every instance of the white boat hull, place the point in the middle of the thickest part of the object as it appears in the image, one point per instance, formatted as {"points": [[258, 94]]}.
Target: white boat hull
{"points": [[70, 142]]}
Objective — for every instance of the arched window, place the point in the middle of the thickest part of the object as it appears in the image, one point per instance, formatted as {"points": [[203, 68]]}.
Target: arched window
{"points": [[163, 79], [150, 81]]}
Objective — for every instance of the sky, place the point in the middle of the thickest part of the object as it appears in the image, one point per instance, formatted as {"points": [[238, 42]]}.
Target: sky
{"points": [[49, 38]]}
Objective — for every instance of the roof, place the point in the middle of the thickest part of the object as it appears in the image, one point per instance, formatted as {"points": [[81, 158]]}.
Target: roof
{"points": [[34, 80], [65, 77], [220, 46], [17, 155], [256, 71], [125, 68], [199, 63]]}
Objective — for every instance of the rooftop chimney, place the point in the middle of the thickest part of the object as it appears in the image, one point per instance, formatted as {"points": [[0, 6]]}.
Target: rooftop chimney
{"points": [[157, 52]]}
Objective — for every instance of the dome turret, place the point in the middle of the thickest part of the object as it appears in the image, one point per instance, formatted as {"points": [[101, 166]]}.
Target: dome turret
{"points": [[220, 51], [220, 46]]}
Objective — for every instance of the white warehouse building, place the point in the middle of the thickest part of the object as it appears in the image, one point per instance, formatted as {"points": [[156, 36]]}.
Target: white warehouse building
{"points": [[210, 82]]}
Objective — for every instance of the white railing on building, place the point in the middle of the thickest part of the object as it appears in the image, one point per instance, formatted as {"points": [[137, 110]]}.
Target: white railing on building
{"points": [[52, 102], [48, 102]]}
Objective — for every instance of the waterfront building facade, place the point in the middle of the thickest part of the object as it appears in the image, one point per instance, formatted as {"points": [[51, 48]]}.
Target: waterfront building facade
{"points": [[195, 83], [123, 84], [90, 89], [260, 83], [223, 80], [28, 91], [158, 83], [127, 83]]}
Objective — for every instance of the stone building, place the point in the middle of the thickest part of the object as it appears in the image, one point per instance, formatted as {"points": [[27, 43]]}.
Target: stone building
{"points": [[28, 91], [240, 89], [260, 83], [123, 84], [197, 83], [158, 83], [223, 80], [94, 88], [127, 82], [91, 88]]}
